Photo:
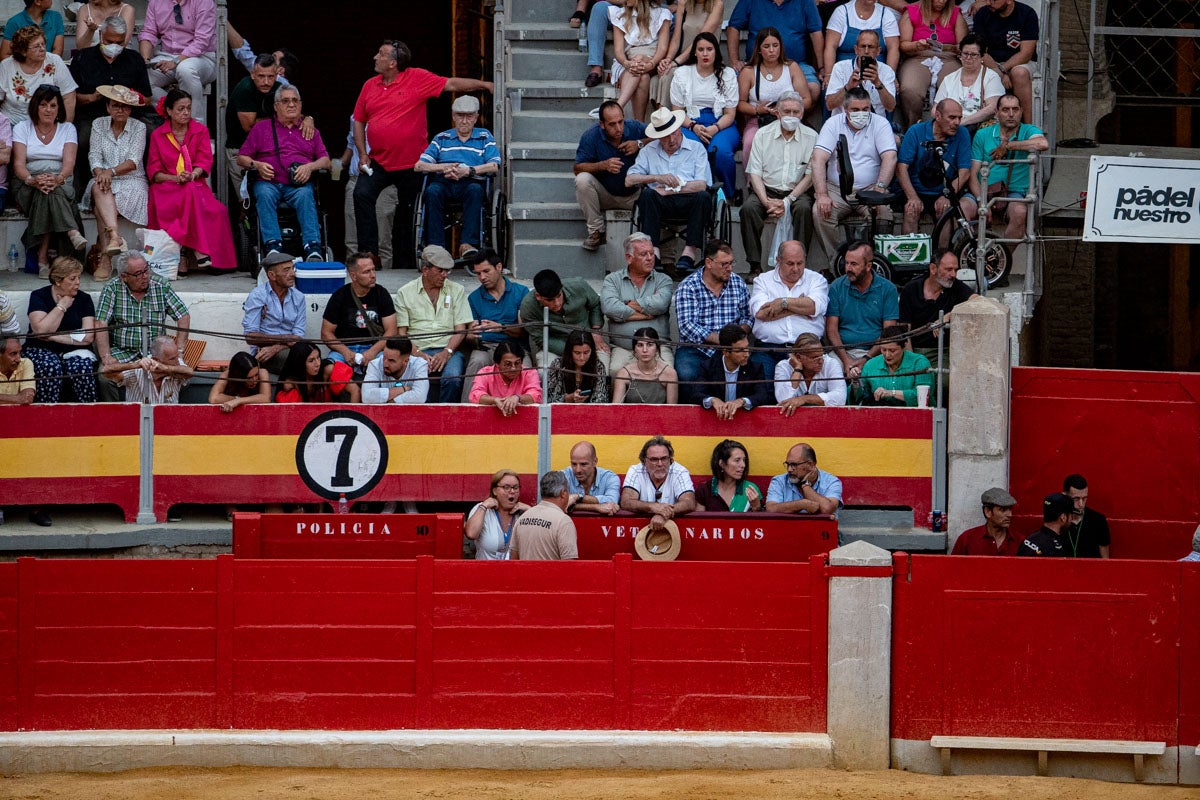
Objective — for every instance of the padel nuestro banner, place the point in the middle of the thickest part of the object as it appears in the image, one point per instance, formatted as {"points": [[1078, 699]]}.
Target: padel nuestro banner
{"points": [[1142, 200]]}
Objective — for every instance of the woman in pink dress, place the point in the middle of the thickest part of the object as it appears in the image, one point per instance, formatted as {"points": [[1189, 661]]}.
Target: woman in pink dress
{"points": [[181, 202]]}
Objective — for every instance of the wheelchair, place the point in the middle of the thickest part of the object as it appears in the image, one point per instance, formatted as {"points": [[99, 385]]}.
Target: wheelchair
{"points": [[247, 231], [719, 225], [492, 229]]}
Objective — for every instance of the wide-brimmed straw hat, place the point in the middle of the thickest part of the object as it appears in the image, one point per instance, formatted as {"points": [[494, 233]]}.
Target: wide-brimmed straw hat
{"points": [[660, 545], [122, 94], [664, 122]]}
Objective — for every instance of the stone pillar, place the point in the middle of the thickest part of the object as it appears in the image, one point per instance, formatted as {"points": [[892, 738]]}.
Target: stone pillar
{"points": [[979, 410], [860, 656]]}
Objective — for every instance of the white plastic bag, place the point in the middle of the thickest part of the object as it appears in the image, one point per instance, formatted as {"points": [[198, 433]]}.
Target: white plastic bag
{"points": [[783, 232], [162, 252]]}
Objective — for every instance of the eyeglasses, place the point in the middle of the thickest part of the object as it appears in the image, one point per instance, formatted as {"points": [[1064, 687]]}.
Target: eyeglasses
{"points": [[178, 14], [795, 464], [508, 487], [658, 460], [288, 101], [965, 54], [138, 274]]}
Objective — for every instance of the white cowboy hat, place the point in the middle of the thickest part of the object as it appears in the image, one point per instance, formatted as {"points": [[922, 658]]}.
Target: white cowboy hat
{"points": [[664, 122]]}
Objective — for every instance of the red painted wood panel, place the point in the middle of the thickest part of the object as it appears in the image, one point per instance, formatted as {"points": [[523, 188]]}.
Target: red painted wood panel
{"points": [[8, 645], [1036, 648], [1189, 655], [327, 536], [1068, 420], [715, 536]]}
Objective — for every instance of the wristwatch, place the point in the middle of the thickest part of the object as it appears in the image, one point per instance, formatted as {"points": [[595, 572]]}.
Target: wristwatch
{"points": [[784, 305], [471, 171]]}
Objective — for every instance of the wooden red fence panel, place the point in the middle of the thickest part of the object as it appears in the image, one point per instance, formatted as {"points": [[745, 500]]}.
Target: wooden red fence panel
{"points": [[1042, 648]]}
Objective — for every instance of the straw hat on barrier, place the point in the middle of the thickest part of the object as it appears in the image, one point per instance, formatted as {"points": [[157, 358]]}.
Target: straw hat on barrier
{"points": [[660, 545]]}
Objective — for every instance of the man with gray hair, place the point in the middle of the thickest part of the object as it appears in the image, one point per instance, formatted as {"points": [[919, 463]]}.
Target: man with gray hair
{"points": [[155, 379], [634, 298], [545, 532], [457, 161], [1195, 554], [131, 312], [106, 63], [779, 178], [285, 160]]}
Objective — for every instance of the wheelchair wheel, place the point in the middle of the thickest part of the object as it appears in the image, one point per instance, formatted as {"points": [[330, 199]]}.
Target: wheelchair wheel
{"points": [[997, 259], [245, 247], [499, 226], [724, 221], [418, 224], [880, 265]]}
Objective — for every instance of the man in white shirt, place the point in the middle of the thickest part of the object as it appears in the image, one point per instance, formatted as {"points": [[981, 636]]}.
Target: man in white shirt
{"points": [[657, 486], [778, 173], [878, 78], [394, 376], [674, 177], [786, 302], [810, 377], [872, 150]]}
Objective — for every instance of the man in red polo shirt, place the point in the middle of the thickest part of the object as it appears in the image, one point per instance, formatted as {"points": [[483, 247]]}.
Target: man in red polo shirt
{"points": [[991, 538], [393, 104]]}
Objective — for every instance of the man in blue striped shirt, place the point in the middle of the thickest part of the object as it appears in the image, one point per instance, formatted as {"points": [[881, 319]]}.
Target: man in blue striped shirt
{"points": [[457, 162]]}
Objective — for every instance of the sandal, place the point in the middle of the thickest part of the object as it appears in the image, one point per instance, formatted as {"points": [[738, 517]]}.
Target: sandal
{"points": [[577, 19], [115, 243]]}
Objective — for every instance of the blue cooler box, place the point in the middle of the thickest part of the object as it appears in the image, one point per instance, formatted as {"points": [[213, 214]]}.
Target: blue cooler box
{"points": [[320, 277]]}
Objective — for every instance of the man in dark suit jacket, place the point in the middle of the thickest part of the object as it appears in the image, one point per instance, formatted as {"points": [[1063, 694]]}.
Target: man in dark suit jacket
{"points": [[729, 380]]}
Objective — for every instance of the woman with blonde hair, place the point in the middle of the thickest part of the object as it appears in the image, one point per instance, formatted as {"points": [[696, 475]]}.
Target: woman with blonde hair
{"points": [[641, 32], [928, 29], [490, 523], [62, 322]]}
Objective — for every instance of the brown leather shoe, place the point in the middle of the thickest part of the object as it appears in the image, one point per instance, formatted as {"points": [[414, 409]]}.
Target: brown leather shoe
{"points": [[593, 241]]}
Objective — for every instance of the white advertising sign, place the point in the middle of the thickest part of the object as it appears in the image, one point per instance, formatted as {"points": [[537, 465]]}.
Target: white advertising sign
{"points": [[1142, 200]]}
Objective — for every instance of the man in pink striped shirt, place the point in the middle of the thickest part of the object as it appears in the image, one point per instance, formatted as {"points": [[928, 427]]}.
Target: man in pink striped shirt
{"points": [[506, 384], [184, 34]]}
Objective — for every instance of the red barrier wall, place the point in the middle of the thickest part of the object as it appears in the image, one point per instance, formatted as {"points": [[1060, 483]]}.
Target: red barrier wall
{"points": [[707, 537], [1039, 648], [71, 453], [1189, 656], [1120, 430], [421, 643]]}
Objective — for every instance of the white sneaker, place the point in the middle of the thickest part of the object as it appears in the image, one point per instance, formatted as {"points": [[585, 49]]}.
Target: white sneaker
{"points": [[388, 508]]}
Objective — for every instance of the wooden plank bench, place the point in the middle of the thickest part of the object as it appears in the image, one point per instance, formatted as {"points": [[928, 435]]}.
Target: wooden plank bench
{"points": [[1043, 747]]}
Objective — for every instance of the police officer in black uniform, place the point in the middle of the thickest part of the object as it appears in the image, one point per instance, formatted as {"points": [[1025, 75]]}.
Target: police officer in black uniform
{"points": [[1048, 540]]}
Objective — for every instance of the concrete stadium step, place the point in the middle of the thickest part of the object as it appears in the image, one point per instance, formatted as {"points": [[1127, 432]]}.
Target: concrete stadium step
{"points": [[557, 96], [540, 155], [523, 12], [556, 186], [563, 256], [523, 31], [529, 62], [550, 126]]}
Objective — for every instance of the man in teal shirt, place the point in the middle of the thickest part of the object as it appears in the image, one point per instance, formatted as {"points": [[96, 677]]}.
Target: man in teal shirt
{"points": [[892, 377], [1011, 139], [38, 13]]}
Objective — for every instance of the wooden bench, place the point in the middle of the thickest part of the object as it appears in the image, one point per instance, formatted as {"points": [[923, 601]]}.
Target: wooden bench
{"points": [[1043, 747]]}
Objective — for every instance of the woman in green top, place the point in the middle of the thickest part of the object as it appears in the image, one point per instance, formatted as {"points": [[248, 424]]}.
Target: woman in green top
{"points": [[728, 490], [892, 377]]}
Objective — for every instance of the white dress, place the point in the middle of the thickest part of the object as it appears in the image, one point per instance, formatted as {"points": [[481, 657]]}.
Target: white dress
{"points": [[131, 190], [633, 37], [16, 87]]}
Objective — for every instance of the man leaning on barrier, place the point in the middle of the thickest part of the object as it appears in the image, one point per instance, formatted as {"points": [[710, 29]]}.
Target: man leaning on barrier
{"points": [[804, 489], [593, 488], [657, 485]]}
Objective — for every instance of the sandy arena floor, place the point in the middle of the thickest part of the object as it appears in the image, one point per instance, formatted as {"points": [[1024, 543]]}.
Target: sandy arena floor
{"points": [[332, 784]]}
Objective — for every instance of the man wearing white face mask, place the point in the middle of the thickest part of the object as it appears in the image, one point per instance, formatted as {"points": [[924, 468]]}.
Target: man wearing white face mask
{"points": [[107, 63], [872, 160], [778, 171]]}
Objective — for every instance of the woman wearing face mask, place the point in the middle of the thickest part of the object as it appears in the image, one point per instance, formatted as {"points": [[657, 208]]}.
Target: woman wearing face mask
{"points": [[707, 91], [728, 490], [769, 74]]}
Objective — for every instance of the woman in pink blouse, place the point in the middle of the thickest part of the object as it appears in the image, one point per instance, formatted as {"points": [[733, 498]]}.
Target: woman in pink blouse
{"points": [[505, 384]]}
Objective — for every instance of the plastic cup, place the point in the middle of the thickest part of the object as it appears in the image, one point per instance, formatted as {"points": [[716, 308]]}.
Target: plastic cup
{"points": [[922, 397]]}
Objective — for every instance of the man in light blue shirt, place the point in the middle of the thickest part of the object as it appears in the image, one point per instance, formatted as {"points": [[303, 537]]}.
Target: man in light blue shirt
{"points": [[804, 489], [597, 489], [275, 317], [674, 177]]}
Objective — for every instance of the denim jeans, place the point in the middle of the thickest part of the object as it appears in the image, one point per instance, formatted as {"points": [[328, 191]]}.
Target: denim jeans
{"points": [[450, 378], [471, 193], [723, 146], [267, 196], [688, 362], [597, 32]]}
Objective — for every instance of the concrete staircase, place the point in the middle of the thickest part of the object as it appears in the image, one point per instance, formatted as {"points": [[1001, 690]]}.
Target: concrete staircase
{"points": [[546, 106]]}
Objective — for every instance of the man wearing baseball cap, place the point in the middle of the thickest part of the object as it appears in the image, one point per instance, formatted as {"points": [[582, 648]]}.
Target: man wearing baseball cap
{"points": [[434, 313], [1048, 540], [992, 538]]}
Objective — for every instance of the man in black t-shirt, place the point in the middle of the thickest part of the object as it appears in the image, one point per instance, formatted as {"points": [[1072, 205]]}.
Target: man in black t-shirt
{"points": [[360, 310], [1008, 31], [252, 99], [1048, 539], [1088, 535], [923, 298]]}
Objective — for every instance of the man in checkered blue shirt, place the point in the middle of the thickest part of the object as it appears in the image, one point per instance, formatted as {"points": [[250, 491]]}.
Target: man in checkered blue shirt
{"points": [[706, 301]]}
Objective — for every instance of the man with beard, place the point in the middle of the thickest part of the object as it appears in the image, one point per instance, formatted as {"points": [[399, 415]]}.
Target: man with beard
{"points": [[706, 301], [922, 299], [992, 538], [804, 489], [1088, 535], [998, 142], [924, 153], [861, 305], [1047, 541], [658, 486], [872, 150]]}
